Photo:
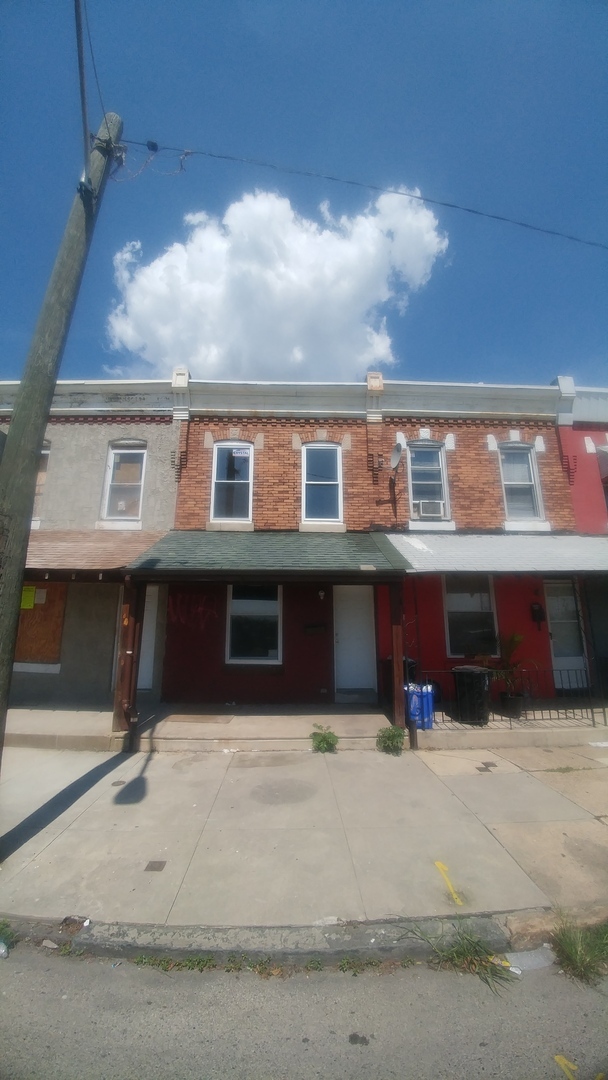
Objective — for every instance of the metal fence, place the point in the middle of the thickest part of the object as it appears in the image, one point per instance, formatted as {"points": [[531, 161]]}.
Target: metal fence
{"points": [[563, 697]]}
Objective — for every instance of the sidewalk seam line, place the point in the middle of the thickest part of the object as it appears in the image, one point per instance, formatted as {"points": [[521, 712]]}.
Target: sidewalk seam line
{"points": [[195, 848], [350, 854]]}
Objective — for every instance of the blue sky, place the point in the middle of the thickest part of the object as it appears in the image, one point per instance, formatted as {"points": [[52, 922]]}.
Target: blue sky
{"points": [[502, 106]]}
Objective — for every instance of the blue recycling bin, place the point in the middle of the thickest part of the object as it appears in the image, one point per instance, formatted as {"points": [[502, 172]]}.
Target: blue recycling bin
{"points": [[421, 705]]}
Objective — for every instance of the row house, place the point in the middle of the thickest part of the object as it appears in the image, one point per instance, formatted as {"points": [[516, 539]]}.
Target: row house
{"points": [[267, 543], [105, 492], [583, 436], [270, 597]]}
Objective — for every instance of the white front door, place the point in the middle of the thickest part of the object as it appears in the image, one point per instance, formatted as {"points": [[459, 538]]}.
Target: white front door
{"points": [[569, 667], [145, 677], [354, 643]]}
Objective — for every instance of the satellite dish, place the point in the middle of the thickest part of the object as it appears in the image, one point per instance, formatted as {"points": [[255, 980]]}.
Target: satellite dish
{"points": [[396, 455], [400, 438]]}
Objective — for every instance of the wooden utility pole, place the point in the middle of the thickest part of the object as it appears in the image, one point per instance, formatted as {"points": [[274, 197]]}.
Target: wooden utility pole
{"points": [[19, 466]]}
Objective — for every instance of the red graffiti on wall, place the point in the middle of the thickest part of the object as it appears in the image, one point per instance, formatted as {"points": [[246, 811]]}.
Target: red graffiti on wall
{"points": [[192, 609]]}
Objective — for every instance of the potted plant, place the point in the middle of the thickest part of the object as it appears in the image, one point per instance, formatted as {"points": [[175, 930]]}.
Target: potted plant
{"points": [[508, 671]]}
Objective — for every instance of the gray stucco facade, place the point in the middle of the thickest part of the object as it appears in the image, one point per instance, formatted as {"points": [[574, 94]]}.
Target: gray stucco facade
{"points": [[88, 420]]}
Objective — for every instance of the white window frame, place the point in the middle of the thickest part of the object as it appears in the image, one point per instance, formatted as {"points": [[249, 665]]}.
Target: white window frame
{"points": [[239, 445], [249, 661], [45, 454], [123, 448], [338, 450], [489, 578], [522, 448], [429, 444]]}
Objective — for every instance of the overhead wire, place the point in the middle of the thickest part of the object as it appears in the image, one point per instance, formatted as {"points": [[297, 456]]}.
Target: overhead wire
{"points": [[83, 92], [94, 66], [154, 148]]}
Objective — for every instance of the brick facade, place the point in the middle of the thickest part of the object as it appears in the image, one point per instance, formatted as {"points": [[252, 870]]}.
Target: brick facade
{"points": [[473, 470]]}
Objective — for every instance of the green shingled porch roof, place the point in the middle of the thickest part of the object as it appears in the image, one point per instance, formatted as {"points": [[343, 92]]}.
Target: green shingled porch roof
{"points": [[200, 553]]}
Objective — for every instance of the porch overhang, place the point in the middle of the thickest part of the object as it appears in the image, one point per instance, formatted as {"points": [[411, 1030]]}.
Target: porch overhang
{"points": [[198, 555], [84, 555], [436, 553]]}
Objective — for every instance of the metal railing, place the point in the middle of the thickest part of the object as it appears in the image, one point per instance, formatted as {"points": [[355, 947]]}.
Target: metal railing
{"points": [[562, 697]]}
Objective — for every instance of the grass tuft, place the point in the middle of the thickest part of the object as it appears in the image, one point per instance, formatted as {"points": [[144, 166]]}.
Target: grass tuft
{"points": [[167, 963], [582, 951], [466, 953]]}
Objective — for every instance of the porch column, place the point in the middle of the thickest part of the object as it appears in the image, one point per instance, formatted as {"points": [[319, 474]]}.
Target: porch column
{"points": [[396, 602], [401, 717], [127, 665]]}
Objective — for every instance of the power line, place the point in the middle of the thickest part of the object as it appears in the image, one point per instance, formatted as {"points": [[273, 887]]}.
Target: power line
{"points": [[155, 148], [94, 65], [82, 89]]}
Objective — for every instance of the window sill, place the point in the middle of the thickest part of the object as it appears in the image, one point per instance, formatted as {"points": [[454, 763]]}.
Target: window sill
{"points": [[431, 526], [38, 669], [322, 526], [253, 663], [527, 526], [229, 526], [123, 526]]}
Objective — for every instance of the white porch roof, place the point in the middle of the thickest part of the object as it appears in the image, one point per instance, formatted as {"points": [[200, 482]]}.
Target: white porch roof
{"points": [[494, 554]]}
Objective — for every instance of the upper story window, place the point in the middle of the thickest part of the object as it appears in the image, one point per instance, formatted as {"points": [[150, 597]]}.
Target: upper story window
{"points": [[322, 486], [43, 465], [427, 481], [231, 497], [520, 483], [124, 482]]}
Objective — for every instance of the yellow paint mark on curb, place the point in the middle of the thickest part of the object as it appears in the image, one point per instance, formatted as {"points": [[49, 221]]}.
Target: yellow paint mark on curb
{"points": [[566, 1066], [443, 870]]}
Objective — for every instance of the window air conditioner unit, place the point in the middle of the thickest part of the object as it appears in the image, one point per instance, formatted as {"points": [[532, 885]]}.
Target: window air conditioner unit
{"points": [[431, 508]]}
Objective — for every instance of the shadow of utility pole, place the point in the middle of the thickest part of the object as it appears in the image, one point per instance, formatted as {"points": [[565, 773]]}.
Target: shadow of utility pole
{"points": [[135, 790], [19, 835]]}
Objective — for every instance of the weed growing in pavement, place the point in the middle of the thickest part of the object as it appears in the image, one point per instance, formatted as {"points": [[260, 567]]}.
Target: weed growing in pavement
{"points": [[570, 768], [7, 934], [357, 964], [324, 740], [235, 963], [390, 740], [465, 952], [266, 968], [314, 964], [582, 951], [167, 963]]}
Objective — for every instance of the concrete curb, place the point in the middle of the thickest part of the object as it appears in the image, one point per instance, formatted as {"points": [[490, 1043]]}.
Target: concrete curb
{"points": [[389, 939]]}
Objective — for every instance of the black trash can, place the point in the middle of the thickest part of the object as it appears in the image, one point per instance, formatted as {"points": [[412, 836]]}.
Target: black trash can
{"points": [[472, 694]]}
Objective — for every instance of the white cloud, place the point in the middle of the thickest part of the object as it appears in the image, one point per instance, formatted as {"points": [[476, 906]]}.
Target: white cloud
{"points": [[268, 294]]}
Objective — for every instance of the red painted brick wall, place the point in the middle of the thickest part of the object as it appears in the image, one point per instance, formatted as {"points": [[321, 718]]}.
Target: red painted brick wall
{"points": [[585, 478], [473, 471], [195, 669]]}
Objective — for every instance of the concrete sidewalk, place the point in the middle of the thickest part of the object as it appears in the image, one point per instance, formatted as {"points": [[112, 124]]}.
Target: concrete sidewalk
{"points": [[298, 839]]}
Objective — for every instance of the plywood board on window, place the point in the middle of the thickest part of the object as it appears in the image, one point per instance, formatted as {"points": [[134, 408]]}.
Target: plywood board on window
{"points": [[41, 627]]}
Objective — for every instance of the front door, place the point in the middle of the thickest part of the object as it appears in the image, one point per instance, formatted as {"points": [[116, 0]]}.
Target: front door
{"points": [[569, 667], [354, 643]]}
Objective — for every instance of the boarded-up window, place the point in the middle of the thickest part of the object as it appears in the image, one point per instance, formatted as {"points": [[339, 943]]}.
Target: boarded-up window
{"points": [[41, 623]]}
